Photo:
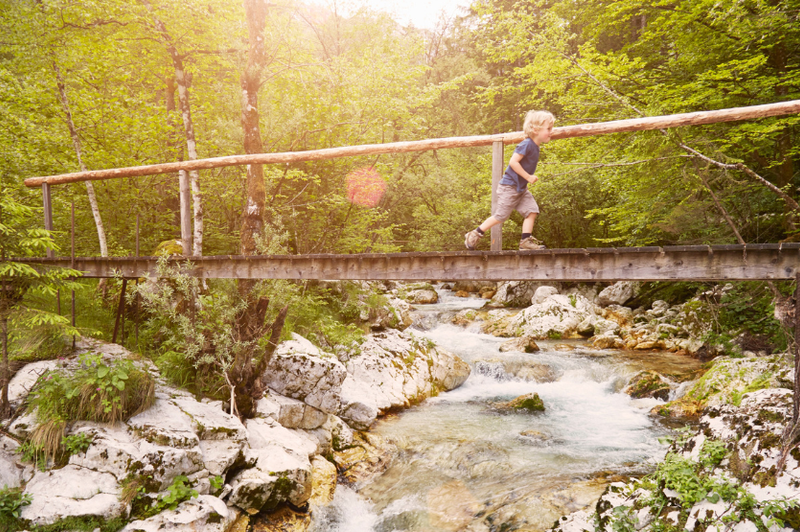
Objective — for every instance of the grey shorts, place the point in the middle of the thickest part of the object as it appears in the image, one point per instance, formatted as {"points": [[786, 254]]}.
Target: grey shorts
{"points": [[508, 199]]}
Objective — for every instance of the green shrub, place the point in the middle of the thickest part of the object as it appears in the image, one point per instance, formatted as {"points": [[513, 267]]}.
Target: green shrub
{"points": [[11, 502], [97, 391]]}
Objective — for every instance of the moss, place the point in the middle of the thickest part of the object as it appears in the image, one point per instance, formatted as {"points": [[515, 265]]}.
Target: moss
{"points": [[83, 524], [530, 402]]}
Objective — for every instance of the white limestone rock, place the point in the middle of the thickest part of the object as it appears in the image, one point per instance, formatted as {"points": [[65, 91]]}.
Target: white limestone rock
{"points": [[278, 476], [165, 424], [72, 491], [555, 316], [205, 512], [21, 383], [542, 293], [393, 371], [618, 293], [299, 370], [11, 472], [291, 413]]}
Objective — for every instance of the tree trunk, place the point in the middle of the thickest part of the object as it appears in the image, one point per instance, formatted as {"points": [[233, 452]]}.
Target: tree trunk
{"points": [[253, 214], [184, 81], [184, 199], [76, 143], [6, 410]]}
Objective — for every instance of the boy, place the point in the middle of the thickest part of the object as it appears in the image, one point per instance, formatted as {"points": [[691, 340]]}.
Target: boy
{"points": [[512, 192]]}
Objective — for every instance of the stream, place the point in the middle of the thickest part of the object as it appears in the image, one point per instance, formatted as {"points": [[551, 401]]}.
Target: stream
{"points": [[463, 465]]}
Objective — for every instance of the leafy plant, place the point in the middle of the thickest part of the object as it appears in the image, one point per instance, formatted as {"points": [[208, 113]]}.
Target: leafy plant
{"points": [[76, 443], [11, 502], [96, 391], [180, 490]]}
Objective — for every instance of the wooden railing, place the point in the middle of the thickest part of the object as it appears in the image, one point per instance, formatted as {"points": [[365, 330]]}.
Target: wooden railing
{"points": [[496, 141]]}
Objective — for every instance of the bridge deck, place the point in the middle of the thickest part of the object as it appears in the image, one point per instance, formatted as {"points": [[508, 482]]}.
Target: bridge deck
{"points": [[695, 263]]}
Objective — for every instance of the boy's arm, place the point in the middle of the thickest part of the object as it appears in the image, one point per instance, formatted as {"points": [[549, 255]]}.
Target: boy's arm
{"points": [[514, 164]]}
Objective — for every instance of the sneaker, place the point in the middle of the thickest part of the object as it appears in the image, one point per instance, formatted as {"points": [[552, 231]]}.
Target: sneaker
{"points": [[531, 243], [471, 238]]}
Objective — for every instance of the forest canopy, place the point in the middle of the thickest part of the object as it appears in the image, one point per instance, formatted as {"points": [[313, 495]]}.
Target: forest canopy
{"points": [[106, 83]]}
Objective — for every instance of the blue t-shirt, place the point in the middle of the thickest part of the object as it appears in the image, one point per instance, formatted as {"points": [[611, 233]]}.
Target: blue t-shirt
{"points": [[530, 158]]}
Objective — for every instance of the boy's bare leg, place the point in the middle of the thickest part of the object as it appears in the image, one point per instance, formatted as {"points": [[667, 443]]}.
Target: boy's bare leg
{"points": [[490, 222], [527, 223]]}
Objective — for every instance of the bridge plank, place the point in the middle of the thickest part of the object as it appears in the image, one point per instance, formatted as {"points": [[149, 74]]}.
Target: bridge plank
{"points": [[706, 263]]}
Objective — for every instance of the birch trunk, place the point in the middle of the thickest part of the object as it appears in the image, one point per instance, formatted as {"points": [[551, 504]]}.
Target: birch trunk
{"points": [[253, 215], [183, 79], [76, 143]]}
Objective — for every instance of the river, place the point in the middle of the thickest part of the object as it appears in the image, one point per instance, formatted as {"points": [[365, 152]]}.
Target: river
{"points": [[462, 464]]}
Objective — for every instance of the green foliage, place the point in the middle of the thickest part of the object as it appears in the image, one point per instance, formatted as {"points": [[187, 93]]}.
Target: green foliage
{"points": [[11, 502], [180, 490], [76, 443], [748, 309], [96, 391], [693, 482], [217, 483]]}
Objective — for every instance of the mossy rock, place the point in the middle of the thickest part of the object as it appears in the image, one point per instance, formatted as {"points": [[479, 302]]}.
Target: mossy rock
{"points": [[530, 402], [648, 384], [168, 247]]}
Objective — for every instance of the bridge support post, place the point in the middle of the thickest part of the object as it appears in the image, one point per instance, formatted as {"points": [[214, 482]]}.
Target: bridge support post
{"points": [[497, 174], [48, 214], [796, 395], [186, 213]]}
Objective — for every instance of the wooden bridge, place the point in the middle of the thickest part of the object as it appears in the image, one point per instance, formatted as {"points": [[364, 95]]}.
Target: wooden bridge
{"points": [[708, 263], [696, 263]]}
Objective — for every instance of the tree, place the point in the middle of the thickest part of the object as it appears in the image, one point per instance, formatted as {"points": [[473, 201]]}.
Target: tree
{"points": [[19, 237]]}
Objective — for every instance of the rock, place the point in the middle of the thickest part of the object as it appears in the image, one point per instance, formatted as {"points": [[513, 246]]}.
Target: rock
{"points": [[500, 323], [542, 293], [291, 413], [11, 473], [72, 492], [557, 316], [396, 314], [395, 370], [622, 316], [474, 286], [586, 328], [422, 297], [369, 456], [22, 382], [608, 341], [462, 293], [165, 424], [282, 520], [648, 384], [464, 317], [526, 370], [618, 293], [452, 506], [530, 402], [278, 476], [299, 370], [323, 483], [205, 512], [524, 344], [650, 345], [117, 451], [514, 293]]}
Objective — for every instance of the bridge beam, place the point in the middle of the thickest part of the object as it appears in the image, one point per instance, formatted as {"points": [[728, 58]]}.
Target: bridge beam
{"points": [[675, 263]]}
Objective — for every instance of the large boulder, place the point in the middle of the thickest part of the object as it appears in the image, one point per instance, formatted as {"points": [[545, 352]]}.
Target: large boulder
{"points": [[514, 293], [72, 492], [298, 369], [556, 316], [618, 293], [205, 512], [280, 468], [395, 370]]}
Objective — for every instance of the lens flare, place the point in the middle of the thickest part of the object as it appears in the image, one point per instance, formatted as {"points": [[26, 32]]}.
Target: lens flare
{"points": [[365, 186]]}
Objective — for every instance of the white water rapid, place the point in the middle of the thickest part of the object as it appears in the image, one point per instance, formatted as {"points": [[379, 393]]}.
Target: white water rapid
{"points": [[464, 465]]}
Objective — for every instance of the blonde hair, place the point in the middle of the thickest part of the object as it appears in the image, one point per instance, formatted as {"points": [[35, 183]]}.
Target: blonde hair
{"points": [[536, 120]]}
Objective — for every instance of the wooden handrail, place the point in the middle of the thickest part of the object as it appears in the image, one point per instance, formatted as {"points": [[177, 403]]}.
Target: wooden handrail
{"points": [[584, 130]]}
